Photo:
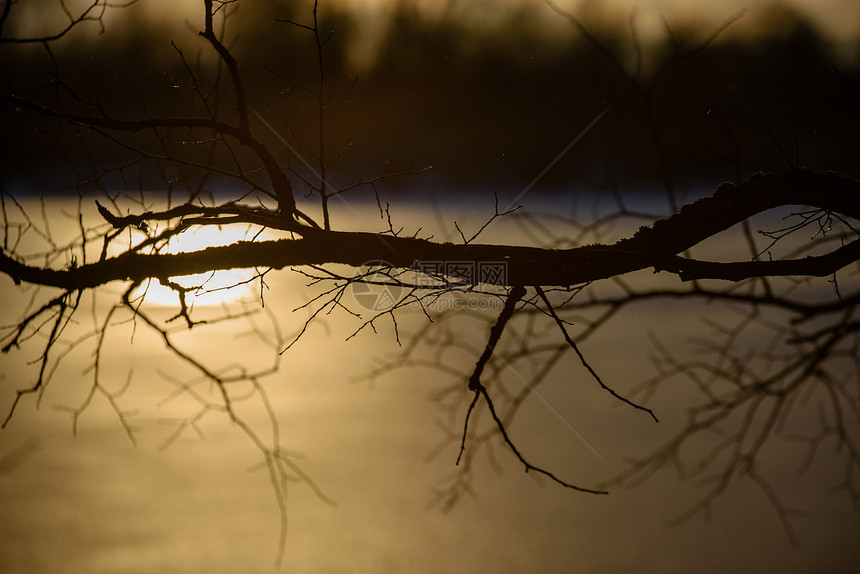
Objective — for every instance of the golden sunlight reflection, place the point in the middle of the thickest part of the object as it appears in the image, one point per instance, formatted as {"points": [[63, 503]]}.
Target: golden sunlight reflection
{"points": [[183, 498], [215, 288]]}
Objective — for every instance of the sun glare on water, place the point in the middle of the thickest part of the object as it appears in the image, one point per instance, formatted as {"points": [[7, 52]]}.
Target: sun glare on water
{"points": [[205, 289]]}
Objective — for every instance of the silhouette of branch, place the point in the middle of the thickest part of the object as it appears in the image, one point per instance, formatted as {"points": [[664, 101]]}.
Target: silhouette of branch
{"points": [[475, 385], [746, 391], [560, 323], [649, 247], [95, 12]]}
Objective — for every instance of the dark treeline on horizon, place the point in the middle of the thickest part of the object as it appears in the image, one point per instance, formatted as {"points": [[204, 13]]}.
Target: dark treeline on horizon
{"points": [[494, 106]]}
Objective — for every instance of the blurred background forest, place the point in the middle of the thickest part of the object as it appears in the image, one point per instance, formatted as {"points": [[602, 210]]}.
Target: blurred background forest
{"points": [[493, 90]]}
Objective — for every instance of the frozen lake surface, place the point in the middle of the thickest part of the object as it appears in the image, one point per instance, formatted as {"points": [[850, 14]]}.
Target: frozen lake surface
{"points": [[97, 503]]}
